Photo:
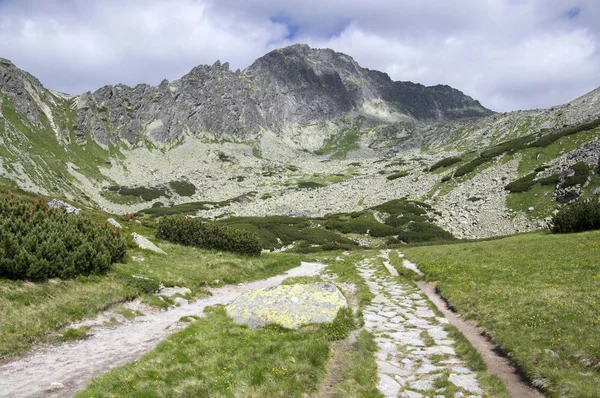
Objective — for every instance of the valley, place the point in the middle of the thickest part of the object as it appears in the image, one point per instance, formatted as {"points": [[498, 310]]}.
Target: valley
{"points": [[303, 168]]}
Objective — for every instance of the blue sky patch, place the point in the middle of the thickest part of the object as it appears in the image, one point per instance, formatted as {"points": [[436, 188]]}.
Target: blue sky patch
{"points": [[573, 13]]}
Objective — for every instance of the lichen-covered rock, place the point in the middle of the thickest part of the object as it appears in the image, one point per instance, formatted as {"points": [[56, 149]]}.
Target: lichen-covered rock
{"points": [[290, 306], [145, 244], [59, 204]]}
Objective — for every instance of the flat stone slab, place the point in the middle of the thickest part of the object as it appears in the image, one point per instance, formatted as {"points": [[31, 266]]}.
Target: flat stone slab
{"points": [[144, 243], [290, 306]]}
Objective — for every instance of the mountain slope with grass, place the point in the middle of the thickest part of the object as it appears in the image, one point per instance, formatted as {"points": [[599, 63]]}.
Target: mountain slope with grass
{"points": [[302, 132]]}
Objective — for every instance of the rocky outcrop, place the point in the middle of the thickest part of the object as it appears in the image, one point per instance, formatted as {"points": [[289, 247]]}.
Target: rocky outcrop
{"points": [[289, 86], [59, 204]]}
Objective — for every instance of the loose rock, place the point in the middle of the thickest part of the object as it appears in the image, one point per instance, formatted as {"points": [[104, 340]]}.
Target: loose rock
{"points": [[145, 244]]}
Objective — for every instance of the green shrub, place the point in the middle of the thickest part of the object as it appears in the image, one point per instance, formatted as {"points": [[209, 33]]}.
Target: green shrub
{"points": [[446, 162], [523, 184], [582, 171], [469, 167], [508, 147], [147, 194], [550, 180], [183, 188], [38, 243], [194, 232], [552, 137], [309, 185], [578, 217], [398, 174]]}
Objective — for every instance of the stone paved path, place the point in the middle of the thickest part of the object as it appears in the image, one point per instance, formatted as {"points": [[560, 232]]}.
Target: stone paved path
{"points": [[416, 357]]}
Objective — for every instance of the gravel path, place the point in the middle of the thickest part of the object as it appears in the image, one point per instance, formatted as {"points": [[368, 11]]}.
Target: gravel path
{"points": [[74, 364], [414, 349]]}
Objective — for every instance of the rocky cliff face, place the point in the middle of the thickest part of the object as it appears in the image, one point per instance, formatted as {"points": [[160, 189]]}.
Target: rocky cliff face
{"points": [[295, 85]]}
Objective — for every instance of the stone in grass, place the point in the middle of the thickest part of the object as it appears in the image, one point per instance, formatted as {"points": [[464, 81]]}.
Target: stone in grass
{"points": [[114, 223], [173, 291], [290, 306], [180, 302], [144, 243], [59, 204]]}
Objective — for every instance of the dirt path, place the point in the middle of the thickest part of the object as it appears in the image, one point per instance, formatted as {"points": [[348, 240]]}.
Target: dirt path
{"points": [[497, 365], [74, 364]]}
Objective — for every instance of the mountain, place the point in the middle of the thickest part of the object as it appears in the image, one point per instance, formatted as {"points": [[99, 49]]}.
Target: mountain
{"points": [[251, 142], [292, 86]]}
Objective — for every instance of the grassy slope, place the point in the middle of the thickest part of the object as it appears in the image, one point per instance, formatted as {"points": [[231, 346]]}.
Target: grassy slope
{"points": [[537, 296]]}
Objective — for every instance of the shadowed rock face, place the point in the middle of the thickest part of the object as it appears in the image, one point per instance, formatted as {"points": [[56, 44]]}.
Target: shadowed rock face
{"points": [[290, 86]]}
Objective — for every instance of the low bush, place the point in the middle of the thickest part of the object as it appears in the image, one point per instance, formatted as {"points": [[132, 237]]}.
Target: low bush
{"points": [[552, 137], [194, 232], [183, 188], [469, 167], [147, 194], [582, 171], [523, 184], [446, 162], [550, 180], [398, 174], [578, 217], [39, 243], [508, 147], [309, 185]]}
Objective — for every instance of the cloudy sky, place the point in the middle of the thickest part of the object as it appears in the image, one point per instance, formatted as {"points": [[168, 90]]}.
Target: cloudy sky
{"points": [[509, 54]]}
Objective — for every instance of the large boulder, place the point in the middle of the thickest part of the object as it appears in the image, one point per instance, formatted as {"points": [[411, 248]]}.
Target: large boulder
{"points": [[144, 243], [290, 306]]}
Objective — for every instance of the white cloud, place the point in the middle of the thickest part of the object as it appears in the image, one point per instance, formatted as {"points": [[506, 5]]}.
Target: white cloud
{"points": [[509, 54]]}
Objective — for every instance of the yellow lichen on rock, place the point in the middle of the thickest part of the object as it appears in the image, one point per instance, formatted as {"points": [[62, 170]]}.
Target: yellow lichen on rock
{"points": [[290, 306]]}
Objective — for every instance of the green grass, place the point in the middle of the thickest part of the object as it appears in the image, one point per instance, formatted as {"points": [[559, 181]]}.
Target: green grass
{"points": [[75, 333], [359, 379], [217, 358], [535, 295], [345, 141], [538, 196], [45, 158]]}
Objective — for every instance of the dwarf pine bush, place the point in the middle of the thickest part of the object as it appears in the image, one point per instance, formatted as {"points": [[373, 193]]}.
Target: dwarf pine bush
{"points": [[193, 232], [578, 217], [38, 243]]}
